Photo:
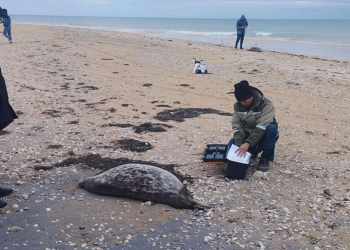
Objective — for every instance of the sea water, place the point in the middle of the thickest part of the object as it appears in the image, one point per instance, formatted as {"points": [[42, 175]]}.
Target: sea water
{"points": [[323, 38]]}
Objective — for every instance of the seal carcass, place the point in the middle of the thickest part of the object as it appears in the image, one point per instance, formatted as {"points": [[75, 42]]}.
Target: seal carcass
{"points": [[142, 182], [255, 49]]}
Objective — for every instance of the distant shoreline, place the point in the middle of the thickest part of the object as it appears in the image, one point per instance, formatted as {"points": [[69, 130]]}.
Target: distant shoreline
{"points": [[267, 45], [187, 17]]}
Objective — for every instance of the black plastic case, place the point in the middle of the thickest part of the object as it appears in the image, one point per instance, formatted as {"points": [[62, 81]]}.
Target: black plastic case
{"points": [[215, 153]]}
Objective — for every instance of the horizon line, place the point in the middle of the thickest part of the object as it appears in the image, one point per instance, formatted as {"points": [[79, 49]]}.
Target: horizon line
{"points": [[181, 17]]}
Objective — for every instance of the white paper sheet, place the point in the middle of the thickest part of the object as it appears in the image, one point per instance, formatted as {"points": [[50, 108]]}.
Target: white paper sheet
{"points": [[232, 156]]}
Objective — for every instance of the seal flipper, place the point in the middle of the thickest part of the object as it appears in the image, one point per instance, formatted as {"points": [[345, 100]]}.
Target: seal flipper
{"points": [[200, 205]]}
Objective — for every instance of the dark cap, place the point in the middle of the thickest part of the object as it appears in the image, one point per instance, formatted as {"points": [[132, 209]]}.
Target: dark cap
{"points": [[243, 91]]}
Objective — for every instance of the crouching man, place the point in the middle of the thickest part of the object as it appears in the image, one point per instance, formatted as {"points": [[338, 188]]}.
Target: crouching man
{"points": [[254, 124]]}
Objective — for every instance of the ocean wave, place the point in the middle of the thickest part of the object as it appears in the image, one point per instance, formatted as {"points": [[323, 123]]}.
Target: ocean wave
{"points": [[260, 33], [294, 40], [106, 28], [323, 43], [201, 33], [42, 24]]}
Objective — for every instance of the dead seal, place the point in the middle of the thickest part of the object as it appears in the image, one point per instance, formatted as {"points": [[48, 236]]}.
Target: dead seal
{"points": [[142, 182], [255, 49]]}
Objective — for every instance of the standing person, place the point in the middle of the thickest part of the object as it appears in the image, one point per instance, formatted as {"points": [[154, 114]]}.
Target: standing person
{"points": [[254, 124], [241, 25], [6, 21], [7, 115]]}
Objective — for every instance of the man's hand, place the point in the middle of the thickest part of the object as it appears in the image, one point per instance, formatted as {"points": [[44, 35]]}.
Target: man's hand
{"points": [[242, 150]]}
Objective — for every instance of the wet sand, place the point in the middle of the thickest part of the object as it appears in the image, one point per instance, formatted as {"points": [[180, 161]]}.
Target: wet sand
{"points": [[83, 97]]}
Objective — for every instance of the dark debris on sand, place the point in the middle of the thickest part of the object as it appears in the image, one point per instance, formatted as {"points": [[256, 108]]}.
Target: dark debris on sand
{"points": [[119, 125], [163, 106], [89, 87], [151, 127], [181, 114], [133, 145], [4, 132], [54, 146], [144, 127], [185, 85], [73, 122], [52, 113]]}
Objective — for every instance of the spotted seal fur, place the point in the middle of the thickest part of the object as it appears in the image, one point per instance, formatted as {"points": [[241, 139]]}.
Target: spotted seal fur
{"points": [[142, 182]]}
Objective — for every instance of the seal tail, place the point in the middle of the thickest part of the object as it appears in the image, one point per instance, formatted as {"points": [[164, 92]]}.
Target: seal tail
{"points": [[200, 205]]}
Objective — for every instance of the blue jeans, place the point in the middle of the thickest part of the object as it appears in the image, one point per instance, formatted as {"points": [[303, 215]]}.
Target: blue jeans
{"points": [[7, 32], [266, 145], [239, 37]]}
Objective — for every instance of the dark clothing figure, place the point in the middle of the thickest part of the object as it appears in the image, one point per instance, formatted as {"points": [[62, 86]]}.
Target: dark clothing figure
{"points": [[7, 28], [241, 25], [3, 12], [7, 114], [6, 21]]}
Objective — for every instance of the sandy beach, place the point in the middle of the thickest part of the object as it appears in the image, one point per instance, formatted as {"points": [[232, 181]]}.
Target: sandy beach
{"points": [[83, 96]]}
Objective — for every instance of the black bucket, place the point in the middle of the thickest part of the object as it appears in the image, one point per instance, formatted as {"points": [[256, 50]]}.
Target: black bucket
{"points": [[236, 171]]}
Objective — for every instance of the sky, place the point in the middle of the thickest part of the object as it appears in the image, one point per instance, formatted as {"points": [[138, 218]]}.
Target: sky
{"points": [[231, 9]]}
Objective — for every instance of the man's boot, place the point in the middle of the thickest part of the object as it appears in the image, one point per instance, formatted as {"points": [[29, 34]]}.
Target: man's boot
{"points": [[5, 191], [254, 156], [263, 165], [3, 204]]}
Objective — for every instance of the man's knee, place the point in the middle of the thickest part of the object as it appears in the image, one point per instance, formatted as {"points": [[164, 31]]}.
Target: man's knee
{"points": [[271, 134], [271, 128]]}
